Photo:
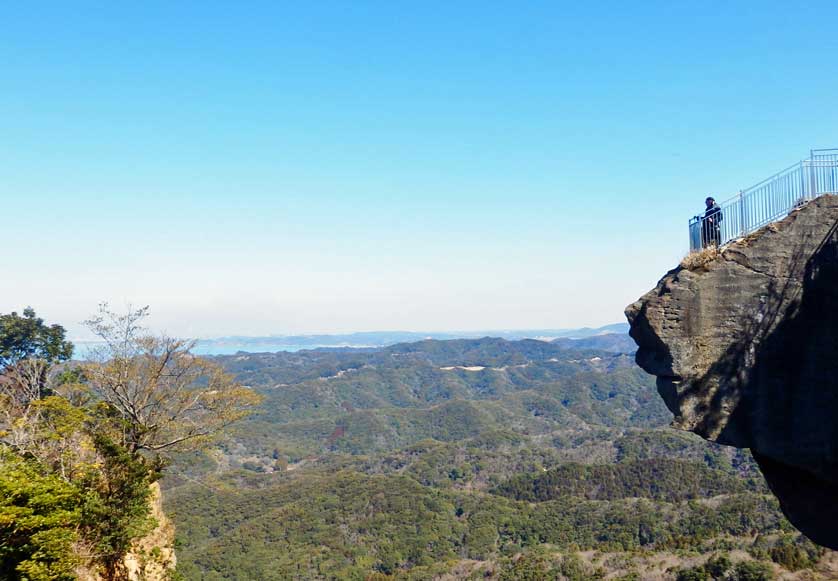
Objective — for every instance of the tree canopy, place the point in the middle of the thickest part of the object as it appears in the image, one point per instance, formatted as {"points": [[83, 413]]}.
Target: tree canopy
{"points": [[162, 395], [81, 444], [27, 336]]}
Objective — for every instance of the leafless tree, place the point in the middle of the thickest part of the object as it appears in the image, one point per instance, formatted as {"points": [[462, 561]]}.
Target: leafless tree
{"points": [[162, 394]]}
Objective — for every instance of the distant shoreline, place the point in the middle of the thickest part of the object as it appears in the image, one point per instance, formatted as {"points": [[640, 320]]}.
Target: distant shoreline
{"points": [[367, 340]]}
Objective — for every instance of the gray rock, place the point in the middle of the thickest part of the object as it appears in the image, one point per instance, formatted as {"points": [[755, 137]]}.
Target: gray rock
{"points": [[745, 349]]}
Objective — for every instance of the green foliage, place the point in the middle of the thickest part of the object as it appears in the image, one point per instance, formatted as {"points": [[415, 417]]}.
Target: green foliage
{"points": [[752, 571], [793, 552], [718, 566], [672, 444], [49, 509], [692, 574], [573, 568], [27, 336], [529, 567], [790, 557], [116, 509], [39, 516], [661, 479], [74, 489], [402, 461], [597, 386], [341, 525], [345, 522]]}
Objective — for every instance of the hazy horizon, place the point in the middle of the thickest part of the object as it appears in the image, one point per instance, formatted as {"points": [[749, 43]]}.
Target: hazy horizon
{"points": [[231, 345], [86, 337]]}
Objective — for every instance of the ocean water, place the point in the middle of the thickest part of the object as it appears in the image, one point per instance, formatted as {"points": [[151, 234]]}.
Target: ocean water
{"points": [[233, 348], [83, 349]]}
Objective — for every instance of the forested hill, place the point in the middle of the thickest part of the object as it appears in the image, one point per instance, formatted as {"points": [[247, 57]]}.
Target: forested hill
{"points": [[364, 401], [485, 457], [284, 366]]}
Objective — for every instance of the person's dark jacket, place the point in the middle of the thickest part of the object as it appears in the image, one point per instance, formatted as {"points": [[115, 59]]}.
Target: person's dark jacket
{"points": [[714, 212], [711, 224]]}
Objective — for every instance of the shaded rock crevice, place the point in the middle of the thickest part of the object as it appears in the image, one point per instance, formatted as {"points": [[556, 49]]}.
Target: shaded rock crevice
{"points": [[745, 350]]}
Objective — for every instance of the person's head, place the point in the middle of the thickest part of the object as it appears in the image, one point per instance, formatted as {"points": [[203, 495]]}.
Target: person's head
{"points": [[710, 201]]}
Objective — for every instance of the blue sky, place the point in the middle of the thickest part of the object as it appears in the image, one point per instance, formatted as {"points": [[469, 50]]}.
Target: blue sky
{"points": [[259, 168]]}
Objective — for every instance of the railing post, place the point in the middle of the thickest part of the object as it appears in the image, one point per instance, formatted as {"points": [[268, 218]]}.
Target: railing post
{"points": [[742, 222], [802, 183]]}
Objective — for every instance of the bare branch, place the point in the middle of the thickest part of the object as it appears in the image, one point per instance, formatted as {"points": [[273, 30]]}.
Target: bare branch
{"points": [[166, 396]]}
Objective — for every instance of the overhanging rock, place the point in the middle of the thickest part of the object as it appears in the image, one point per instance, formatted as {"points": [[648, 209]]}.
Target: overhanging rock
{"points": [[745, 349]]}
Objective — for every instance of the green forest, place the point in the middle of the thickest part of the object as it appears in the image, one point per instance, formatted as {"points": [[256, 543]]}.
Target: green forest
{"points": [[459, 459], [472, 459], [83, 445]]}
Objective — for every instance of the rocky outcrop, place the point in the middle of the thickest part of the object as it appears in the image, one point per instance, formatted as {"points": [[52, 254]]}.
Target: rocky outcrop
{"points": [[152, 557], [745, 349]]}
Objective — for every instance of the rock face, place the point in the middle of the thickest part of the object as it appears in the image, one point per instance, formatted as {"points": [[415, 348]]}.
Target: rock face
{"points": [[745, 349], [152, 557]]}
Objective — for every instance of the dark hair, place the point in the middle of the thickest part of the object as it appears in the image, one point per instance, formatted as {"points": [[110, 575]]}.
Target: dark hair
{"points": [[710, 199]]}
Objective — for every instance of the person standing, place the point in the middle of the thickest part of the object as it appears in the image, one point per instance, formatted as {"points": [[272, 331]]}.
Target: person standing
{"points": [[711, 224]]}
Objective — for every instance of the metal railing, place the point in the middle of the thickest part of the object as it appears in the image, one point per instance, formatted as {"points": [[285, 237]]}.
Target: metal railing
{"points": [[768, 201], [823, 154]]}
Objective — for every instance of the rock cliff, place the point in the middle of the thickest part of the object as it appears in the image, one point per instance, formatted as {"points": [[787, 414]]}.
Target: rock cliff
{"points": [[152, 557], [745, 349]]}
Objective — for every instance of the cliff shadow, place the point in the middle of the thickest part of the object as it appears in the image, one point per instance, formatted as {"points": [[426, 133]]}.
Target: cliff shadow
{"points": [[761, 369], [776, 389]]}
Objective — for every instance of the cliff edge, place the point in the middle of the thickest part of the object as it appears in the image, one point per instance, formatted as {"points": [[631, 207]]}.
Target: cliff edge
{"points": [[152, 557], [745, 349]]}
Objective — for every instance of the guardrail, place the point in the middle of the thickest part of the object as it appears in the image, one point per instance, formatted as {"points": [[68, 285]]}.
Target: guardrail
{"points": [[768, 201]]}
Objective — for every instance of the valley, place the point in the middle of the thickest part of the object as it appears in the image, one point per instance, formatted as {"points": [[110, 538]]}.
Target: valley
{"points": [[471, 458]]}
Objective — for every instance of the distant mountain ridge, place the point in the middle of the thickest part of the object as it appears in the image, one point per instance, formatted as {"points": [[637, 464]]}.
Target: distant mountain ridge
{"points": [[612, 337], [231, 344], [372, 400]]}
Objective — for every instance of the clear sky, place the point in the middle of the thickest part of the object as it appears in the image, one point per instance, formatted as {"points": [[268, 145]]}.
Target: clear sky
{"points": [[287, 167]]}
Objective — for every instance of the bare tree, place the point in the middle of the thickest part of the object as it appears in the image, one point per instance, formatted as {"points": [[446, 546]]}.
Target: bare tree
{"points": [[26, 381], [35, 423], [22, 385], [161, 395]]}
